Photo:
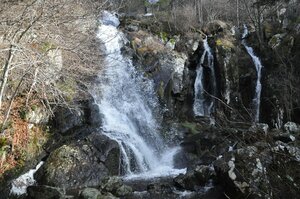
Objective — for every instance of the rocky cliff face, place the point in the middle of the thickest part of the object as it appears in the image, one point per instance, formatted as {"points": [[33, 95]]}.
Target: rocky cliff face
{"points": [[171, 60]]}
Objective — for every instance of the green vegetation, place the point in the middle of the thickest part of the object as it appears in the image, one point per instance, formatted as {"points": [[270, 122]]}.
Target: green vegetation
{"points": [[23, 113], [224, 43], [46, 46], [8, 125], [164, 36], [68, 88], [172, 41], [191, 126]]}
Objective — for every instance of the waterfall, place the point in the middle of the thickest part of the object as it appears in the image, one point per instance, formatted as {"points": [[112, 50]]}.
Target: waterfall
{"points": [[129, 107], [258, 67], [203, 103]]}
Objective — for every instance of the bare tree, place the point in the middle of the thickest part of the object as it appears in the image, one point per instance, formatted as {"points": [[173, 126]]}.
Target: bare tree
{"points": [[43, 46]]}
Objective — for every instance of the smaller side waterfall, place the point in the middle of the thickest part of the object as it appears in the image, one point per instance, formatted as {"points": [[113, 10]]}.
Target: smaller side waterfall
{"points": [[203, 103], [258, 67]]}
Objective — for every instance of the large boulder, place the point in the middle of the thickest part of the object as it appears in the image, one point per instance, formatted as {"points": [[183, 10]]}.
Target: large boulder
{"points": [[115, 186], [66, 119], [196, 178], [81, 163], [216, 26], [260, 171], [205, 144], [46, 192], [90, 193]]}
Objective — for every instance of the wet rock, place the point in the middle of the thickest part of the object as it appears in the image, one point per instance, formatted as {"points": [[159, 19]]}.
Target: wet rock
{"points": [[115, 186], [123, 191], [158, 189], [81, 164], [111, 184], [167, 70], [204, 146], [66, 119], [194, 179], [90, 193], [45, 192], [107, 196], [204, 173], [93, 115]]}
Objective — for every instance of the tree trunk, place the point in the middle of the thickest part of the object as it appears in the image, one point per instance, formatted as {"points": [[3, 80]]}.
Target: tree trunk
{"points": [[5, 74]]}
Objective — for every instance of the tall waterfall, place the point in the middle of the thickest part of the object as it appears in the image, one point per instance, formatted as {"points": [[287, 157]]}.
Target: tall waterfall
{"points": [[129, 108], [203, 102], [258, 67]]}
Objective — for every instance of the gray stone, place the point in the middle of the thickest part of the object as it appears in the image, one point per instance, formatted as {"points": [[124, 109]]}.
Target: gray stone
{"points": [[38, 116], [45, 192], [107, 196], [132, 28], [124, 190], [90, 193], [112, 184], [81, 164], [292, 127], [66, 119]]}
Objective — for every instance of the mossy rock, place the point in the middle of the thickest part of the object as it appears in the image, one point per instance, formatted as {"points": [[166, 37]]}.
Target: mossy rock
{"points": [[161, 90], [226, 44]]}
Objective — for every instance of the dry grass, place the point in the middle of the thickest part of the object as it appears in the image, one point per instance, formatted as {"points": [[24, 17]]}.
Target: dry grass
{"points": [[19, 142]]}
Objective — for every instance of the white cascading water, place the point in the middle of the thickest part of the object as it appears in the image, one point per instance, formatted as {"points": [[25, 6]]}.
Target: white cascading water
{"points": [[203, 105], [20, 184], [258, 67], [128, 103]]}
